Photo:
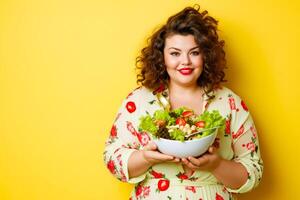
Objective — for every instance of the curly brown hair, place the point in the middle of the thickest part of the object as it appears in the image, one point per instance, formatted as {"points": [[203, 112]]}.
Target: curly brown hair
{"points": [[150, 66]]}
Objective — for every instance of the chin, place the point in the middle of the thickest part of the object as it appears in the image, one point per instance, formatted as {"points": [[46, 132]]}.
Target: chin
{"points": [[186, 83]]}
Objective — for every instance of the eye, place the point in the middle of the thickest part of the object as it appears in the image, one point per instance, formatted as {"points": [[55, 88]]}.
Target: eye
{"points": [[174, 54], [195, 53]]}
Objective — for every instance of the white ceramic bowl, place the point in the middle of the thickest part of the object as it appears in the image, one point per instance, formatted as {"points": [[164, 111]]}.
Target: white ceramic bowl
{"points": [[195, 147]]}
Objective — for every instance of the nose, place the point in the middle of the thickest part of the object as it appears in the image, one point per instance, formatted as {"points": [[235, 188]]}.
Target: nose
{"points": [[186, 59]]}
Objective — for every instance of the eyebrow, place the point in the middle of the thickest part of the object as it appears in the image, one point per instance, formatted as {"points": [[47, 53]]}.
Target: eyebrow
{"points": [[180, 50]]}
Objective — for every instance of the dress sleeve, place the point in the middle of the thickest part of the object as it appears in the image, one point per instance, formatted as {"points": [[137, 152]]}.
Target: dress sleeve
{"points": [[245, 144], [124, 139]]}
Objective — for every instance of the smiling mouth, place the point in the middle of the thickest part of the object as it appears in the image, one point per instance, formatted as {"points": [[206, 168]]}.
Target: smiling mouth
{"points": [[186, 71]]}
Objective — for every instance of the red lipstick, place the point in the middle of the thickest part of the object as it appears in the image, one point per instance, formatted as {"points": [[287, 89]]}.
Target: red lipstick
{"points": [[186, 71]]}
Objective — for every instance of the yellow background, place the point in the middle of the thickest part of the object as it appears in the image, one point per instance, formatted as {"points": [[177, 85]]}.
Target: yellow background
{"points": [[65, 67]]}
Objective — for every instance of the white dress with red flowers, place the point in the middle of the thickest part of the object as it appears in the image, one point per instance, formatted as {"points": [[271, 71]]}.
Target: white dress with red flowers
{"points": [[238, 142]]}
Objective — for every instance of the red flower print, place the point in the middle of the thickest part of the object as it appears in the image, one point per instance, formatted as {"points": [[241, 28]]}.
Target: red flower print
{"points": [[182, 176], [159, 89], [119, 159], [117, 149], [227, 130], [142, 191], [146, 191], [238, 133], [231, 103], [250, 146], [113, 131], [253, 130], [227, 125], [123, 177], [111, 166], [163, 184], [191, 188], [219, 197], [244, 106], [143, 138], [156, 174], [138, 190], [130, 106], [131, 128]]}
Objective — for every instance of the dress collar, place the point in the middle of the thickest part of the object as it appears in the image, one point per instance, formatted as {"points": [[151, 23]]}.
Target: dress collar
{"points": [[162, 94]]}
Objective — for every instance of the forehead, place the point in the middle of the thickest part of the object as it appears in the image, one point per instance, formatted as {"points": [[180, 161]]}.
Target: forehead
{"points": [[180, 41]]}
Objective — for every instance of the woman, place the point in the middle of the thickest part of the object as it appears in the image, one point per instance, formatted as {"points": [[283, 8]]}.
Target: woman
{"points": [[183, 65]]}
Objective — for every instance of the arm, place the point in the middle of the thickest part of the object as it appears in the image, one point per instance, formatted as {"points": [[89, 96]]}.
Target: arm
{"points": [[230, 173], [245, 145], [247, 154], [140, 161], [123, 140], [244, 172], [137, 164], [127, 154]]}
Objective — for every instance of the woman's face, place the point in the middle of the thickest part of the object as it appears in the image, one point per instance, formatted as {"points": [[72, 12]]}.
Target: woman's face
{"points": [[183, 60]]}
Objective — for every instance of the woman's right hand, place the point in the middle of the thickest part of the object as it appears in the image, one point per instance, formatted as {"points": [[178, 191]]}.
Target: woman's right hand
{"points": [[140, 160], [153, 156]]}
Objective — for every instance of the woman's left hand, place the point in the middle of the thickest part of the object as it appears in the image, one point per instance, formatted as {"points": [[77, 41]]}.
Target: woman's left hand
{"points": [[208, 161]]}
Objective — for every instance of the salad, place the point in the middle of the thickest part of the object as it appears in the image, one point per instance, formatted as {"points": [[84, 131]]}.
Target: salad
{"points": [[180, 123]]}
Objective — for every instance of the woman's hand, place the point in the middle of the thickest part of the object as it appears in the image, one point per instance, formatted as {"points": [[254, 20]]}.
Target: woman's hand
{"points": [[207, 162], [153, 156], [140, 160]]}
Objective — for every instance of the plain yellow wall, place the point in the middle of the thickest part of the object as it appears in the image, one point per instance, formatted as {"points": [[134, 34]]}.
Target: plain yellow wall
{"points": [[65, 67]]}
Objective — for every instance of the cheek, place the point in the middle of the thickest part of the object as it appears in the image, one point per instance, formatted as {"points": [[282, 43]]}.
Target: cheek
{"points": [[198, 62], [170, 62]]}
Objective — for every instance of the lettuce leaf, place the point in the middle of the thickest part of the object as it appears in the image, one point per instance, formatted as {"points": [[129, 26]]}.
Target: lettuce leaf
{"points": [[177, 134], [161, 115], [147, 124], [212, 119]]}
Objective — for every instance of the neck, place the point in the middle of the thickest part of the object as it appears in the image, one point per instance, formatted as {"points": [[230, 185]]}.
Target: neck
{"points": [[184, 89]]}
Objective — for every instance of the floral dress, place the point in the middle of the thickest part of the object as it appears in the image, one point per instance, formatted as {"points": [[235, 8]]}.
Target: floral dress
{"points": [[238, 142]]}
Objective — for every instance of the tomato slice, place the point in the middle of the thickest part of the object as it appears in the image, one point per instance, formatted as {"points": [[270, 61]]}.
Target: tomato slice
{"points": [[200, 124], [187, 113], [180, 121]]}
